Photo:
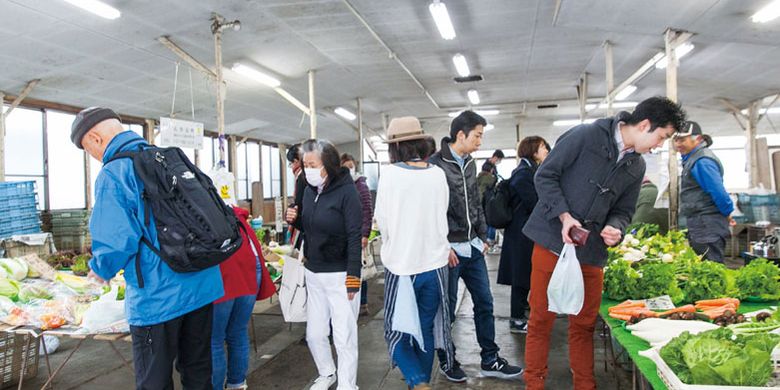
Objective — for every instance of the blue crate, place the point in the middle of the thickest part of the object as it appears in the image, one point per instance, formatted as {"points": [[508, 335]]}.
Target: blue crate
{"points": [[18, 215], [28, 230], [12, 188]]}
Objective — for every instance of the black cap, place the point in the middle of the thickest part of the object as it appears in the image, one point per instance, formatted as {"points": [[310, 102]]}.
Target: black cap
{"points": [[86, 120], [691, 128]]}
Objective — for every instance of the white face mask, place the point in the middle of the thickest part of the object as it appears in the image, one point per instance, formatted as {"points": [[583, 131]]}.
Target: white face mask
{"points": [[353, 173], [314, 176]]}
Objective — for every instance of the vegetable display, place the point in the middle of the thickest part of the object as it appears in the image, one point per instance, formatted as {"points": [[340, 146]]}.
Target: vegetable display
{"points": [[647, 266]]}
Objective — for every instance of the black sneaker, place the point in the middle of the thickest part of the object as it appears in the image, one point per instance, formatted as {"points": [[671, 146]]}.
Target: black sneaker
{"points": [[501, 369], [454, 374], [518, 326]]}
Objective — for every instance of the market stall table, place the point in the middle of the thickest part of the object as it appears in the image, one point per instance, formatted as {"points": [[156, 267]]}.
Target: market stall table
{"points": [[81, 337], [632, 344]]}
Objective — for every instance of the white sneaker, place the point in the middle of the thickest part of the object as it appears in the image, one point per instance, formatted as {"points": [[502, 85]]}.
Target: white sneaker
{"points": [[323, 382]]}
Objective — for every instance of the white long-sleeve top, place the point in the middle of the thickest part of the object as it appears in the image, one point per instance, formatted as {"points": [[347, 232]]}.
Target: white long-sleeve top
{"points": [[411, 213]]}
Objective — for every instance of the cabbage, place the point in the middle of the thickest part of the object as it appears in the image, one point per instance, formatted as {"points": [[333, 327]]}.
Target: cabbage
{"points": [[16, 269], [31, 292], [9, 288]]}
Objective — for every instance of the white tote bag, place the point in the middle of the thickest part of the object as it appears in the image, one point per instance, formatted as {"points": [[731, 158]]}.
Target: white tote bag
{"points": [[292, 293], [566, 291]]}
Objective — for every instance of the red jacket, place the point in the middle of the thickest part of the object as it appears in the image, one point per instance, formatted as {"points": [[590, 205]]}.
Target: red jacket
{"points": [[239, 273]]}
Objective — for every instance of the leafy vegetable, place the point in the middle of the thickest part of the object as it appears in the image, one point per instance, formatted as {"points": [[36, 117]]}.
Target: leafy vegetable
{"points": [[706, 279], [9, 288], [760, 278], [620, 280], [120, 293], [643, 230], [32, 292], [80, 266], [658, 279], [15, 268], [717, 357]]}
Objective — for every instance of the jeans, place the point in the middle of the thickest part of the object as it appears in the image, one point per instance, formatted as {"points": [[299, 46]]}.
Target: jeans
{"points": [[184, 339], [581, 327], [416, 364], [519, 302], [474, 273], [491, 233], [364, 293], [231, 327]]}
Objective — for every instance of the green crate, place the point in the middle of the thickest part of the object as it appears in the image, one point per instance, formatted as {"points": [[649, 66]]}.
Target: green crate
{"points": [[81, 243]]}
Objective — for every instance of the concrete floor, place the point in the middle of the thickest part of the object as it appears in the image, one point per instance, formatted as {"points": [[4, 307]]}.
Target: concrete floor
{"points": [[283, 360]]}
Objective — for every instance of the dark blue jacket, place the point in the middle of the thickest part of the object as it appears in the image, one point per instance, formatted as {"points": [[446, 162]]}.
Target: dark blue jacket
{"points": [[583, 177], [332, 223]]}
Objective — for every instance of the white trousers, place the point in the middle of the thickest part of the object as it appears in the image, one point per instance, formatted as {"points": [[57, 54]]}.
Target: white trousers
{"points": [[328, 306]]}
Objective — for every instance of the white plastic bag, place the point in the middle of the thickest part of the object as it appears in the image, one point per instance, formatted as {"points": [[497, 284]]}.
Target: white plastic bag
{"points": [[224, 181], [106, 315], [292, 293], [566, 291]]}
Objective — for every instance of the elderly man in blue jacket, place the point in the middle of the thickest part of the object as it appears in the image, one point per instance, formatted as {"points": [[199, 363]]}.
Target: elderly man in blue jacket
{"points": [[170, 315], [704, 201]]}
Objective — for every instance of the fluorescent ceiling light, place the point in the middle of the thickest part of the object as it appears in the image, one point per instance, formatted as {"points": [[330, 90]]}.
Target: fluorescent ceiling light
{"points": [[460, 65], [480, 112], [680, 52], [473, 96], [256, 75], [489, 127], [770, 12], [614, 105], [98, 8], [625, 92], [442, 19], [344, 113], [571, 122]]}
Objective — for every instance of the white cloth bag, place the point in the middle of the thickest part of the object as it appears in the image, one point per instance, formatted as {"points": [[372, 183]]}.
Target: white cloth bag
{"points": [[566, 291], [292, 293]]}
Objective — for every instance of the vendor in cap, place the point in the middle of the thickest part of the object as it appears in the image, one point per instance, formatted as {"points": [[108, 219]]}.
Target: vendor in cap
{"points": [[704, 201]]}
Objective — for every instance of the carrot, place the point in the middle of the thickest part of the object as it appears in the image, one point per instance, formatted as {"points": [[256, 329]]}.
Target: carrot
{"points": [[639, 305], [622, 317], [629, 303], [681, 309], [718, 302]]}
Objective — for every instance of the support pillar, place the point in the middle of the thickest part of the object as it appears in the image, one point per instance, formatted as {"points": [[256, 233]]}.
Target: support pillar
{"points": [[671, 93], [610, 76], [360, 135], [750, 145], [312, 109]]}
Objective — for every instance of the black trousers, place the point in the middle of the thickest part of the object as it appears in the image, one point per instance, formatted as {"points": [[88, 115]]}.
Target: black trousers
{"points": [[185, 339], [518, 302], [713, 251]]}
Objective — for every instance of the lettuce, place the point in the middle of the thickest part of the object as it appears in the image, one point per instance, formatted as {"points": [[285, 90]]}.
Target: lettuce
{"points": [[32, 292], [16, 269], [719, 358], [760, 279], [9, 288]]}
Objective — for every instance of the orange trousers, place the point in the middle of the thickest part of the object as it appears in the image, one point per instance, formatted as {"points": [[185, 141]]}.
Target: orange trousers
{"points": [[540, 324]]}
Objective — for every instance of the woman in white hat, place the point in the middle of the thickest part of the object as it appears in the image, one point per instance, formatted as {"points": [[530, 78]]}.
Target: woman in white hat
{"points": [[411, 213]]}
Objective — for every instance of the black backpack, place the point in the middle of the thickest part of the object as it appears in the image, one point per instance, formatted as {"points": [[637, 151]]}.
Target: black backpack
{"points": [[498, 205], [195, 228]]}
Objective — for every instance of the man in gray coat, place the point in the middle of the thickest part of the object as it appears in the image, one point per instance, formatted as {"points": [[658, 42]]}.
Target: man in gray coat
{"points": [[590, 180]]}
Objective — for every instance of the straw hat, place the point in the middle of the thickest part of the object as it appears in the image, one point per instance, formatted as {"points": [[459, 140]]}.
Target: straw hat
{"points": [[405, 128]]}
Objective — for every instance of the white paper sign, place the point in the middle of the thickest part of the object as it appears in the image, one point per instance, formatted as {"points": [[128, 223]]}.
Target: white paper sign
{"points": [[279, 213], [183, 134]]}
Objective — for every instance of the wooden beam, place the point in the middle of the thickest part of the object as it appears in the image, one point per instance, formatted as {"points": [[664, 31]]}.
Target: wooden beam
{"points": [[26, 91], [582, 95], [295, 102], [47, 105], [166, 40], [731, 107], [360, 134], [556, 12]]}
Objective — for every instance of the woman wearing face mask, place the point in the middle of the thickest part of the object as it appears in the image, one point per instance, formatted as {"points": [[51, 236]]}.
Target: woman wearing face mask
{"points": [[515, 266], [331, 221], [347, 161]]}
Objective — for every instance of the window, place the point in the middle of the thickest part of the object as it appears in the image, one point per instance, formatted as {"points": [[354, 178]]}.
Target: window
{"points": [[276, 179], [290, 179], [66, 164], [253, 165], [266, 166], [240, 172], [206, 162], [24, 148]]}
